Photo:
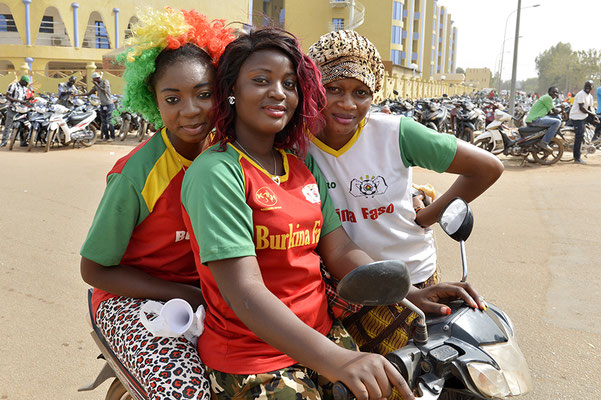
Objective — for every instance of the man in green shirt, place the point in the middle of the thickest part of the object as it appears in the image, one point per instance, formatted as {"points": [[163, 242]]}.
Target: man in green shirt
{"points": [[539, 116]]}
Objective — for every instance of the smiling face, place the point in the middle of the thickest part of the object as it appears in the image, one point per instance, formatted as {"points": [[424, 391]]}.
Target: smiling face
{"points": [[183, 92], [266, 95], [348, 103]]}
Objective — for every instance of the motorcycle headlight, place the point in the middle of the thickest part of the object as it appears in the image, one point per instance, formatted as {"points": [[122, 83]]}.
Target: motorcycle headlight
{"points": [[511, 379]]}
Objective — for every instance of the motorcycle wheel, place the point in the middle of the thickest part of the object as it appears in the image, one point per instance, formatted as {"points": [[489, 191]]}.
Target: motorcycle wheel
{"points": [[13, 137], [484, 144], [49, 139], [89, 142], [32, 139], [142, 131], [432, 125], [124, 130], [546, 158], [467, 135], [117, 391]]}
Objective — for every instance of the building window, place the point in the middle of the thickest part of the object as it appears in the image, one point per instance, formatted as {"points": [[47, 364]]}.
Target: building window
{"points": [[396, 34], [395, 56], [397, 10], [7, 23], [338, 24], [102, 37], [47, 25], [414, 56]]}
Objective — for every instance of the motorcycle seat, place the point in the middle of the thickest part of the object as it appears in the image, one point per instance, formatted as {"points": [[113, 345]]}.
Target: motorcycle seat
{"points": [[76, 118], [530, 129]]}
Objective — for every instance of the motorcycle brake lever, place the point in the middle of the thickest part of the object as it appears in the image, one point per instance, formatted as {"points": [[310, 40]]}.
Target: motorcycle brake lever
{"points": [[426, 393]]}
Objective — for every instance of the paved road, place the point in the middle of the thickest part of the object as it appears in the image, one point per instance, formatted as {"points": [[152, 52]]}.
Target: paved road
{"points": [[534, 251]]}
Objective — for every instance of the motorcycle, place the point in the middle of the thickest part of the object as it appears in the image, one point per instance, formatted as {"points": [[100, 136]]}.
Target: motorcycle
{"points": [[466, 355], [131, 121], [40, 121], [466, 120], [588, 146], [498, 141], [436, 117], [3, 108], [75, 127], [21, 126]]}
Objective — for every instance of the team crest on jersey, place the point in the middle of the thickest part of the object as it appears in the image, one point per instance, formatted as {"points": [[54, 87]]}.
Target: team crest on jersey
{"points": [[311, 193], [266, 197], [367, 186]]}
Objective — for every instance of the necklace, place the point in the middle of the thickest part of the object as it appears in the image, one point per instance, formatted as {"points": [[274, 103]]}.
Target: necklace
{"points": [[273, 176], [180, 161]]}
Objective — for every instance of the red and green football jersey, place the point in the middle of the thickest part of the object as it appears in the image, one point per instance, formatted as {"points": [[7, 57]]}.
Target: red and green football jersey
{"points": [[139, 220], [234, 209]]}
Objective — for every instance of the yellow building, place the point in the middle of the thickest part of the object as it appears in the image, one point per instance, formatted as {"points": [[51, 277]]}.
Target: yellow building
{"points": [[416, 39], [478, 78], [44, 35]]}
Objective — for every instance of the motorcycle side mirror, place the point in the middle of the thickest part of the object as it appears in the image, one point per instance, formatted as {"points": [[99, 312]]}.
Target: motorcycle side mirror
{"points": [[376, 284], [457, 221]]}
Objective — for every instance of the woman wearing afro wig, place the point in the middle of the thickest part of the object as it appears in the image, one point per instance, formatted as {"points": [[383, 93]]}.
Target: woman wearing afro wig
{"points": [[137, 247]]}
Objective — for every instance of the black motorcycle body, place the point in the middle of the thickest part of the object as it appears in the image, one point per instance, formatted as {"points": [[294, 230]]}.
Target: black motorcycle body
{"points": [[436, 117], [467, 355], [465, 122], [528, 143]]}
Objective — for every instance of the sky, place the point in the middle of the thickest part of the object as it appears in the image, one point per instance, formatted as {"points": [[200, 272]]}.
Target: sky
{"points": [[481, 24]]}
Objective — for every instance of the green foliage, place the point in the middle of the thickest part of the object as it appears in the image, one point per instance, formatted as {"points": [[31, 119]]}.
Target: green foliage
{"points": [[566, 68], [459, 70]]}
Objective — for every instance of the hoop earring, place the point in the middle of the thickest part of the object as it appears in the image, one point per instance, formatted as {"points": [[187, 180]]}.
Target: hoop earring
{"points": [[231, 100]]}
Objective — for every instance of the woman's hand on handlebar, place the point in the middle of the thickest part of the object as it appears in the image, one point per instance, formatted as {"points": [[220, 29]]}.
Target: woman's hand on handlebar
{"points": [[430, 299], [367, 375]]}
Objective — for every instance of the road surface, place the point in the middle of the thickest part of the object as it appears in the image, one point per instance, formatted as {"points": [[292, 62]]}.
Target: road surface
{"points": [[534, 251]]}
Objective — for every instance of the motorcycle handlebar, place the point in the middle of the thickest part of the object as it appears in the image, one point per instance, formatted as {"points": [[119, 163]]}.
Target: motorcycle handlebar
{"points": [[341, 392]]}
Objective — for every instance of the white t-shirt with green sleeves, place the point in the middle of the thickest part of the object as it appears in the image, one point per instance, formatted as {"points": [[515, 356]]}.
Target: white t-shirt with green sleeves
{"points": [[369, 181]]}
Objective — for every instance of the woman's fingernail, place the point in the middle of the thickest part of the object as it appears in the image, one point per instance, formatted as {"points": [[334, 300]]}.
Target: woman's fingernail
{"points": [[447, 310]]}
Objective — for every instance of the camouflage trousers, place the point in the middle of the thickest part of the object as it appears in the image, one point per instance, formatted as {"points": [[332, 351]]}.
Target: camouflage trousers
{"points": [[292, 383]]}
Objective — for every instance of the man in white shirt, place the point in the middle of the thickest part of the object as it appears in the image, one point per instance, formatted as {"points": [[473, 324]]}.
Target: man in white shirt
{"points": [[581, 113]]}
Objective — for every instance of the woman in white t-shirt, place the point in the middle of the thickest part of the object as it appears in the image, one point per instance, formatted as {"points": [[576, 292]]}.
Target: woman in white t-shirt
{"points": [[367, 160]]}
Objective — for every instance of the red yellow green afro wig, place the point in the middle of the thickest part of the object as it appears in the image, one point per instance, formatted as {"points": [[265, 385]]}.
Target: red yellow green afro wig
{"points": [[158, 30]]}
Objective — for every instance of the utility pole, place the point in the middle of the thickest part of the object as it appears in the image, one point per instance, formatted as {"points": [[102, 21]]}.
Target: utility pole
{"points": [[515, 59]]}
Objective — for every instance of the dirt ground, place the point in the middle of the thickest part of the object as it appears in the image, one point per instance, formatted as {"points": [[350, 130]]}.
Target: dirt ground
{"points": [[534, 251]]}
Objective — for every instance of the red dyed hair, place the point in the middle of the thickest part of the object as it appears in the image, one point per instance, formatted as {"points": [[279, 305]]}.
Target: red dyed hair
{"points": [[307, 116]]}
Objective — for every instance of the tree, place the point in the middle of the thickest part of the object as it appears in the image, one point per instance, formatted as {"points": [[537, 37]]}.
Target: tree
{"points": [[555, 66], [567, 69], [459, 70]]}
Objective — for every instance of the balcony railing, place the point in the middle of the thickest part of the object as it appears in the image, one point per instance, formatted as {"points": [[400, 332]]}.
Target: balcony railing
{"points": [[340, 3]]}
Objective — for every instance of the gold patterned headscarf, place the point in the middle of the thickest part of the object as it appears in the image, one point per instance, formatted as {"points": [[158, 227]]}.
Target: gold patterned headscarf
{"points": [[346, 54]]}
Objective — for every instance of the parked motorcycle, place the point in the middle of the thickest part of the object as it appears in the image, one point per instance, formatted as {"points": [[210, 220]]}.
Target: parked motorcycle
{"points": [[498, 141], [587, 147], [3, 108], [40, 121], [21, 126], [467, 355], [465, 121], [131, 121], [75, 127], [435, 116]]}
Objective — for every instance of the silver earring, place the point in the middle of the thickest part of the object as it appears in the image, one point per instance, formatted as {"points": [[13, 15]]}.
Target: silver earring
{"points": [[231, 100]]}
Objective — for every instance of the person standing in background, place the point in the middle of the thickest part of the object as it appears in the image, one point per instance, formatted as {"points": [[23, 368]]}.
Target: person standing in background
{"points": [[66, 90], [581, 113], [16, 93], [102, 87]]}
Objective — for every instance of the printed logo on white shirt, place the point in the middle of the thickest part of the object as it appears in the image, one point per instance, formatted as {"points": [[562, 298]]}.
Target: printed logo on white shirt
{"points": [[311, 193], [368, 186]]}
